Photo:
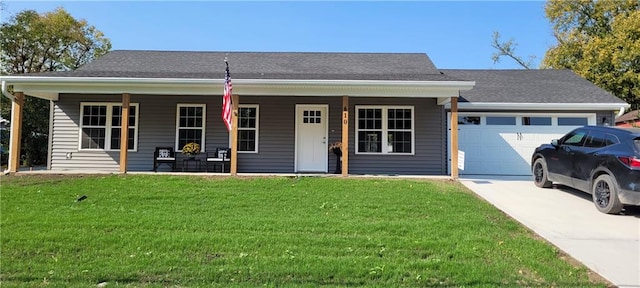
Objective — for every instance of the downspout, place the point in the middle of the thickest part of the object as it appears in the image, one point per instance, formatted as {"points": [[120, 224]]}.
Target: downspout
{"points": [[620, 112], [50, 148], [5, 92]]}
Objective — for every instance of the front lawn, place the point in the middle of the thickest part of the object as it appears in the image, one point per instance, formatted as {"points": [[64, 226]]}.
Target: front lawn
{"points": [[192, 231]]}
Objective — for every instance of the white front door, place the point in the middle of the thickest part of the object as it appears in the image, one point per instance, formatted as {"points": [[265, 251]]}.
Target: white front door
{"points": [[311, 138]]}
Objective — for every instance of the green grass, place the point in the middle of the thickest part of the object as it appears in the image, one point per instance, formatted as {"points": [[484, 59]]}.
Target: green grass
{"points": [[188, 231]]}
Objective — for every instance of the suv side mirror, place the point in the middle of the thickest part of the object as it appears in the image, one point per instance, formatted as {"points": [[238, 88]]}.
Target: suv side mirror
{"points": [[554, 142]]}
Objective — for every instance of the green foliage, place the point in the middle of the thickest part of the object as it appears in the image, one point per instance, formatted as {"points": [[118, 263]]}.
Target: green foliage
{"points": [[33, 43], [53, 41], [599, 40], [188, 231]]}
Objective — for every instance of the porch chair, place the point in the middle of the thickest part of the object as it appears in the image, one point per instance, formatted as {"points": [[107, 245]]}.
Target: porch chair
{"points": [[220, 156], [164, 155]]}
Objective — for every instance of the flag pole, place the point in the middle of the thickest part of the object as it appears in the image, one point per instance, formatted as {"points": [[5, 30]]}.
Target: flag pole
{"points": [[230, 116], [226, 97]]}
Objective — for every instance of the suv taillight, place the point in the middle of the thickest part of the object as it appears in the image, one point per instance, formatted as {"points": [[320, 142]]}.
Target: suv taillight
{"points": [[632, 162]]}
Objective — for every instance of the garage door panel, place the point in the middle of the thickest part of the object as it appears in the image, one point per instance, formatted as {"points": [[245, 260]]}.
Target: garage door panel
{"points": [[505, 149]]}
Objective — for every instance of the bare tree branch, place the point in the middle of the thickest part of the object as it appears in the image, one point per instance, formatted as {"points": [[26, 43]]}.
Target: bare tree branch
{"points": [[508, 49]]}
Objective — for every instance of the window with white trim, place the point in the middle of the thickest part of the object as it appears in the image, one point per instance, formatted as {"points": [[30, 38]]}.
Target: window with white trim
{"points": [[248, 120], [190, 125], [385, 130], [100, 126]]}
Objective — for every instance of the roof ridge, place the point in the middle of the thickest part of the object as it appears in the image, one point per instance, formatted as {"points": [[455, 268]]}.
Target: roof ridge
{"points": [[272, 52]]}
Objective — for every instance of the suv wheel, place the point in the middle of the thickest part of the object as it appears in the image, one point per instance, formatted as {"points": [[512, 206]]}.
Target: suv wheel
{"points": [[540, 174], [605, 195]]}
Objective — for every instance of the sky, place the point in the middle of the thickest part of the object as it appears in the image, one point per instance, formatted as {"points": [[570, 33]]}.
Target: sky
{"points": [[454, 34]]}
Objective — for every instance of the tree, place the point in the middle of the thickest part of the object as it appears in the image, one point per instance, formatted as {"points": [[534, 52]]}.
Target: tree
{"points": [[508, 49], [32, 43], [599, 40]]}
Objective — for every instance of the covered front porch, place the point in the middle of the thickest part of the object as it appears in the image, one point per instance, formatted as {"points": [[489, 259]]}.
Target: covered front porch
{"points": [[149, 113]]}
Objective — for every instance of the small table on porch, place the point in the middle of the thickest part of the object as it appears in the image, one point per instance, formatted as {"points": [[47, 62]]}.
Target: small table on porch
{"points": [[185, 164]]}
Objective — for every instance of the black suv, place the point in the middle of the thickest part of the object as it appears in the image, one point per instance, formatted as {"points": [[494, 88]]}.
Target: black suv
{"points": [[602, 161]]}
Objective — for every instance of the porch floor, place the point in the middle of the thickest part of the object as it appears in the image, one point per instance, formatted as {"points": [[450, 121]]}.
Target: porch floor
{"points": [[43, 170]]}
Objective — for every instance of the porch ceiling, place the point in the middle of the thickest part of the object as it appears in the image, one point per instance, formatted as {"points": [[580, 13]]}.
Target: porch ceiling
{"points": [[51, 87]]}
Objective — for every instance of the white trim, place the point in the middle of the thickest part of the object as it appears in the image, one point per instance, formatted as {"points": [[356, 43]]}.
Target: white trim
{"points": [[326, 132], [51, 87], [257, 128], [203, 128], [445, 100], [384, 130], [107, 135], [540, 106]]}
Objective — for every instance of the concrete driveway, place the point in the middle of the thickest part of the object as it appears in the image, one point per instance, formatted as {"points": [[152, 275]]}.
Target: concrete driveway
{"points": [[607, 244]]}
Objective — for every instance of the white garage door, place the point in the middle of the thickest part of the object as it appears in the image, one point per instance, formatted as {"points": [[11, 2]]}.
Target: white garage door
{"points": [[502, 144]]}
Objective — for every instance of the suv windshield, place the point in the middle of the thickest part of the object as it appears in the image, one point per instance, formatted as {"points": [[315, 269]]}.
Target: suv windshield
{"points": [[637, 141]]}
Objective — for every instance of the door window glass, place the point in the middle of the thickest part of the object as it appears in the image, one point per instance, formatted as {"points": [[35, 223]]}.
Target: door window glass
{"points": [[468, 120], [573, 121], [536, 121], [311, 116], [501, 120]]}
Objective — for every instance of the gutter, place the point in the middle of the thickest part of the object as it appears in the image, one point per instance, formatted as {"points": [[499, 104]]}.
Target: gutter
{"points": [[541, 106], [51, 87], [5, 92], [464, 85]]}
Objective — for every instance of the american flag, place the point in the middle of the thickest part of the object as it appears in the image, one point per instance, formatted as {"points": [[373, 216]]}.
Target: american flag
{"points": [[226, 99]]}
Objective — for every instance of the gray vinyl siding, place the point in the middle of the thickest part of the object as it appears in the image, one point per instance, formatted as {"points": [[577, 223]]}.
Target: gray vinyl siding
{"points": [[277, 137], [156, 127], [66, 135], [276, 145], [605, 118], [276, 150], [428, 158], [277, 133]]}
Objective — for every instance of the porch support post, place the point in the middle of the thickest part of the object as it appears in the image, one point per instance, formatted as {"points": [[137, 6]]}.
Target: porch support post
{"points": [[345, 136], [124, 132], [234, 135], [454, 137], [16, 132]]}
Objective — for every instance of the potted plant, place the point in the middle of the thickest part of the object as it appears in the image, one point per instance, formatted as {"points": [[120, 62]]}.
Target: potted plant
{"points": [[191, 149], [336, 148]]}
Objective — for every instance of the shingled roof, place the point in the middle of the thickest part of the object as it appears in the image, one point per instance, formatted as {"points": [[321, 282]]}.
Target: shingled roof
{"points": [[530, 86], [260, 65], [629, 116]]}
